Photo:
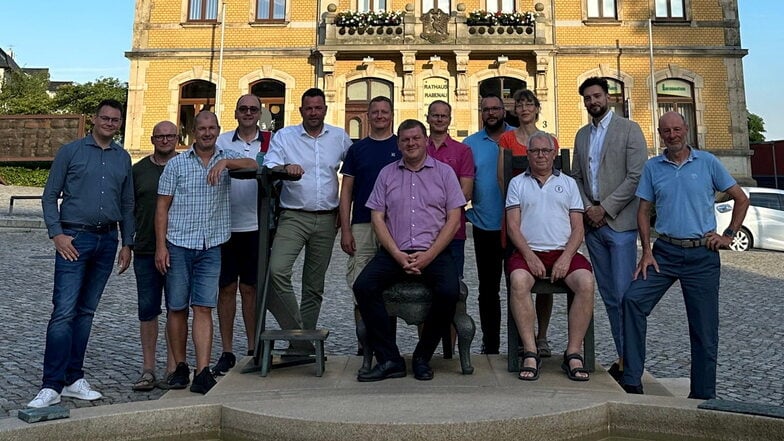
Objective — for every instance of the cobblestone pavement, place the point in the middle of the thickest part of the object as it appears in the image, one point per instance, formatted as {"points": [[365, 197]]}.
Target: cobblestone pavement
{"points": [[750, 352]]}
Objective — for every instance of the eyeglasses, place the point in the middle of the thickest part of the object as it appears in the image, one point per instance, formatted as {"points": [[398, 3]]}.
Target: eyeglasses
{"points": [[492, 109], [107, 119], [244, 109], [526, 104], [169, 137], [536, 152]]}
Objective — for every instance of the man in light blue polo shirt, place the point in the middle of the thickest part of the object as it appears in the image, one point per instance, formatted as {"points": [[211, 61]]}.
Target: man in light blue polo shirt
{"points": [[681, 182], [191, 222], [485, 216]]}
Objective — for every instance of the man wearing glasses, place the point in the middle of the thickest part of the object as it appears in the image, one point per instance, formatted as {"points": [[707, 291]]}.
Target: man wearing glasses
{"points": [[240, 255], [485, 216], [94, 177], [149, 281], [544, 221]]}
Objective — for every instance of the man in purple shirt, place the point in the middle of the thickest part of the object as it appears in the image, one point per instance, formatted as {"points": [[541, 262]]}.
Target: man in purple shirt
{"points": [[415, 212]]}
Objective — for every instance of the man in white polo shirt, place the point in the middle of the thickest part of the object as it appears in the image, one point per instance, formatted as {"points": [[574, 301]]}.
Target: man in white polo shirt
{"points": [[240, 255], [544, 219]]}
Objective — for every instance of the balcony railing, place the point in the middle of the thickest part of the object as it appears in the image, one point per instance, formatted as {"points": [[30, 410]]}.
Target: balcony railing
{"points": [[349, 28]]}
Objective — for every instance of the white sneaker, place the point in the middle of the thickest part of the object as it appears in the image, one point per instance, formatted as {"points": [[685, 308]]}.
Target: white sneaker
{"points": [[45, 398], [82, 390]]}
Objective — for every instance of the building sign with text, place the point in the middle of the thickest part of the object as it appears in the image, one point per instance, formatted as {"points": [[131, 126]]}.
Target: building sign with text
{"points": [[435, 88]]}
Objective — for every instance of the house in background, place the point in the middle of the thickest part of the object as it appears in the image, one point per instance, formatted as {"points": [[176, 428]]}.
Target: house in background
{"points": [[7, 63], [659, 55]]}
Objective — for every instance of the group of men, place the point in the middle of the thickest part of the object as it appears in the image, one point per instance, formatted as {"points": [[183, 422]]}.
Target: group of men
{"points": [[193, 231]]}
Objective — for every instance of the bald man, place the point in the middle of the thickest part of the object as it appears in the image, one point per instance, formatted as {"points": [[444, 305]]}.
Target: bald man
{"points": [[150, 282], [191, 223]]}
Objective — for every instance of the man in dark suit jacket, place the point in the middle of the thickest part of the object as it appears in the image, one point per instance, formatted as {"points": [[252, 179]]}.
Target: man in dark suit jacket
{"points": [[609, 153]]}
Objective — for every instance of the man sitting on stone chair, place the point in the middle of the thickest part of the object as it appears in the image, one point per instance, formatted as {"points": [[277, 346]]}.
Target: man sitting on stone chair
{"points": [[544, 216], [415, 211]]}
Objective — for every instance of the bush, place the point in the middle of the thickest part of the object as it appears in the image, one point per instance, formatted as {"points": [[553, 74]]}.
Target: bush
{"points": [[28, 177]]}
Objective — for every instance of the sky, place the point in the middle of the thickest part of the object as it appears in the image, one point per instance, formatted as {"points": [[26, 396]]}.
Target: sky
{"points": [[85, 43]]}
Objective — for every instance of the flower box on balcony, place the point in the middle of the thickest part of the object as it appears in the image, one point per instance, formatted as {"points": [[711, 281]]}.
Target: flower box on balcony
{"points": [[361, 20], [481, 17]]}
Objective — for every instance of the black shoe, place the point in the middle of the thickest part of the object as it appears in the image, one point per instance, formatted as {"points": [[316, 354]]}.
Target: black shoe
{"points": [[203, 382], [226, 361], [615, 372], [180, 378], [633, 389], [487, 350], [422, 370], [382, 371]]}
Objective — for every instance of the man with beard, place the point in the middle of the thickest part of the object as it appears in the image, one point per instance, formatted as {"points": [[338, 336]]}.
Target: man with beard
{"points": [[485, 216], [609, 154], [149, 281]]}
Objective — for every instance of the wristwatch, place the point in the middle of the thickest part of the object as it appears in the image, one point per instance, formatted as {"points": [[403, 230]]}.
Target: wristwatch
{"points": [[729, 232]]}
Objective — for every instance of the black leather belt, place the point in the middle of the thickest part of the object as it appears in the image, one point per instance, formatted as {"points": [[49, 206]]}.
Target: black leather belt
{"points": [[98, 229], [685, 243], [299, 210]]}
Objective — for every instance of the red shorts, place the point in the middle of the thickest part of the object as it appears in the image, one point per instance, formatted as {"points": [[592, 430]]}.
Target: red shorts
{"points": [[548, 258]]}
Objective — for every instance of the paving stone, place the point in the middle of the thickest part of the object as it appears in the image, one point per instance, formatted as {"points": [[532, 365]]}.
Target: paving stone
{"points": [[750, 344]]}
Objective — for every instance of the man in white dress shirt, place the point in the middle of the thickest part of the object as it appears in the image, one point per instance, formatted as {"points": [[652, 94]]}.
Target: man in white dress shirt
{"points": [[313, 152]]}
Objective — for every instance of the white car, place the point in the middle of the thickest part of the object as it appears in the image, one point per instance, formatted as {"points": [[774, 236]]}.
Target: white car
{"points": [[763, 226]]}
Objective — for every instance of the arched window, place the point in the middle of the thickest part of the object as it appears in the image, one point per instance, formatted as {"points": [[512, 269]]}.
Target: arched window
{"points": [[358, 96], [195, 96], [504, 87], [617, 101], [272, 94], [677, 95]]}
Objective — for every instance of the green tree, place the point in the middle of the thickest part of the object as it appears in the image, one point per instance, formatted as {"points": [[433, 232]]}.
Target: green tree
{"points": [[756, 128], [25, 93], [84, 98]]}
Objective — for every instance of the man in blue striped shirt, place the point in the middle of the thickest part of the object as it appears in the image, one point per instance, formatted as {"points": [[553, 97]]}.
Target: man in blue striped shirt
{"points": [[191, 222]]}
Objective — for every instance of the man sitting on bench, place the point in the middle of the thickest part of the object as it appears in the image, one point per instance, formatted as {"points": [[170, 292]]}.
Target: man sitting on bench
{"points": [[545, 224], [415, 211]]}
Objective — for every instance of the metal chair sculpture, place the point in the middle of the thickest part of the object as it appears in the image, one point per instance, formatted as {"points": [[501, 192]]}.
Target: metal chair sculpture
{"points": [[265, 339]]}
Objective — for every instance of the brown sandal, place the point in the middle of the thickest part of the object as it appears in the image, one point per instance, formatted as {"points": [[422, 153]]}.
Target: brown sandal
{"points": [[146, 382]]}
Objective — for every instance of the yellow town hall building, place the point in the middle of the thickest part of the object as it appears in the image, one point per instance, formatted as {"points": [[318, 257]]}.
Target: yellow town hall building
{"points": [[658, 55]]}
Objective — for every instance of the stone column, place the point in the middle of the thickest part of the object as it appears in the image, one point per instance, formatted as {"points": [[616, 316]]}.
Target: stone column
{"points": [[461, 63], [409, 84]]}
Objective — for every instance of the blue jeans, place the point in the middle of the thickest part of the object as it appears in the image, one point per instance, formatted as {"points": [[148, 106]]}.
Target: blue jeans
{"points": [[149, 286], [193, 277], [614, 258], [698, 270], [78, 287]]}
